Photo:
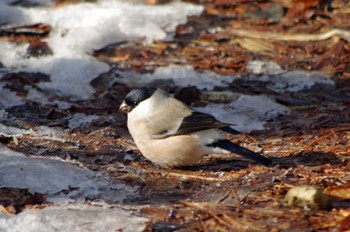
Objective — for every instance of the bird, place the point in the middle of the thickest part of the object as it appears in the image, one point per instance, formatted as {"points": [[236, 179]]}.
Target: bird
{"points": [[171, 134]]}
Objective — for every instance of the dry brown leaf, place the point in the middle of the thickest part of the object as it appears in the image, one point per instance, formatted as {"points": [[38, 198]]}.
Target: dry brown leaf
{"points": [[342, 191]]}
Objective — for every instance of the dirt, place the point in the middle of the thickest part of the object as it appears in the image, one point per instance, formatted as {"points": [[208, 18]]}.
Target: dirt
{"points": [[221, 192]]}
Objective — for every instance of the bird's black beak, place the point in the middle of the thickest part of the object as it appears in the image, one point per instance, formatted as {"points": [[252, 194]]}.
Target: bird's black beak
{"points": [[124, 107]]}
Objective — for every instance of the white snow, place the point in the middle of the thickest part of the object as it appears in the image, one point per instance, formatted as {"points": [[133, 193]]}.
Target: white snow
{"points": [[269, 72], [298, 80], [8, 98], [9, 131], [30, 2], [51, 132], [40, 131], [282, 81], [248, 113], [5, 151], [63, 183], [81, 119], [59, 181], [180, 75], [78, 29], [78, 217], [258, 67]]}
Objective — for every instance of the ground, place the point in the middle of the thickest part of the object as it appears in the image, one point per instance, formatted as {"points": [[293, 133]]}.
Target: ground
{"points": [[221, 192]]}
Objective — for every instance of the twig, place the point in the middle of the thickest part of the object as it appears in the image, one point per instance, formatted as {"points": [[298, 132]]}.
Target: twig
{"points": [[203, 178], [344, 34], [315, 141], [200, 206], [223, 197]]}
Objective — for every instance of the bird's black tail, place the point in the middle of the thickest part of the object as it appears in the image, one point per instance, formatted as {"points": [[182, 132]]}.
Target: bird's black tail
{"points": [[235, 148]]}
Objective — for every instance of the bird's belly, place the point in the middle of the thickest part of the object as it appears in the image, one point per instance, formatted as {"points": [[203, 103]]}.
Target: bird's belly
{"points": [[173, 151]]}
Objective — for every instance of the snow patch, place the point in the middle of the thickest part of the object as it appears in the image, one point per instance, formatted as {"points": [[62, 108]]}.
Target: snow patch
{"points": [[9, 131], [5, 151], [8, 98], [89, 26], [248, 113], [41, 131], [258, 67], [60, 181], [180, 75], [73, 218], [81, 119], [282, 81], [298, 80]]}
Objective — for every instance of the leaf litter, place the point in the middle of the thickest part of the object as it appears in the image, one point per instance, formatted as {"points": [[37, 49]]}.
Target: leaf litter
{"points": [[308, 145]]}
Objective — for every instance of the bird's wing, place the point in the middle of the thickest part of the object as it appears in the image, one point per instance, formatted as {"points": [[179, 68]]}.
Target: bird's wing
{"points": [[198, 121], [190, 123], [174, 118]]}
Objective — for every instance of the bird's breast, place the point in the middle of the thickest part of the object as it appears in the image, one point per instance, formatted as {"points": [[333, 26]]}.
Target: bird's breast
{"points": [[181, 150]]}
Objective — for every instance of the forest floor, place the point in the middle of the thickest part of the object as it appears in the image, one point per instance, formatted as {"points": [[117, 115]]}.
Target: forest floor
{"points": [[222, 192]]}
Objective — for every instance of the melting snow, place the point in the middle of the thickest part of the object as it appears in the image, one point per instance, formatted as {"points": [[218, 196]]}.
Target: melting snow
{"points": [[73, 218], [180, 75], [58, 180], [248, 113], [282, 81], [89, 26]]}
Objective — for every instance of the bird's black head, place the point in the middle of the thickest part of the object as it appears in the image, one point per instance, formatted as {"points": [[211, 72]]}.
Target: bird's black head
{"points": [[135, 96]]}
